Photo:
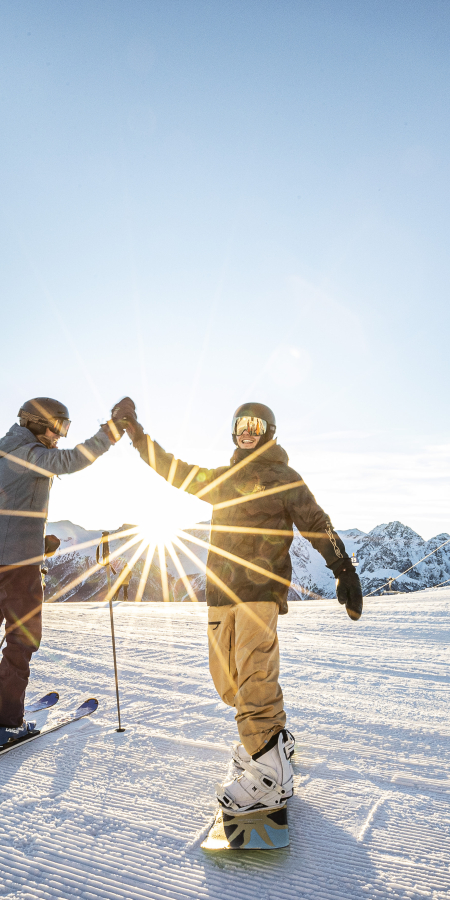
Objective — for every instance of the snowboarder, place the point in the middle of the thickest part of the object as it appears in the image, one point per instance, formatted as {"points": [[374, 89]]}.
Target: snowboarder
{"points": [[29, 459], [256, 500]]}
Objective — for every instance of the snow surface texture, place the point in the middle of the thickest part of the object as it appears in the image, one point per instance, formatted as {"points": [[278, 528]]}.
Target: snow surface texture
{"points": [[383, 553], [90, 813]]}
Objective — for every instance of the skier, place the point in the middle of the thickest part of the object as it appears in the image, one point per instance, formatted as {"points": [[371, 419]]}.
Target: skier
{"points": [[29, 459], [256, 499], [126, 582]]}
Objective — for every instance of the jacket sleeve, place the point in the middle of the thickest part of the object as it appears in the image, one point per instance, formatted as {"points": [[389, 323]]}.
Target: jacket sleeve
{"points": [[314, 524], [65, 462], [188, 477]]}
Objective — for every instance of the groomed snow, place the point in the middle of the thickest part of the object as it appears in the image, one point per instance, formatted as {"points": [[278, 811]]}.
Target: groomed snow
{"points": [[90, 813]]}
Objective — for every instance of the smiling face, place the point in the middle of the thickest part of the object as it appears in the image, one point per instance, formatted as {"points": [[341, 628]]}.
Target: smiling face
{"points": [[247, 441]]}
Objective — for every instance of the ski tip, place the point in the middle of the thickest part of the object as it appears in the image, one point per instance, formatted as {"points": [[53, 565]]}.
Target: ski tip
{"points": [[44, 702], [89, 706]]}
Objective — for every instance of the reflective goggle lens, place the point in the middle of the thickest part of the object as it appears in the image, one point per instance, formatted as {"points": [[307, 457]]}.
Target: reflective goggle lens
{"points": [[60, 426], [250, 424]]}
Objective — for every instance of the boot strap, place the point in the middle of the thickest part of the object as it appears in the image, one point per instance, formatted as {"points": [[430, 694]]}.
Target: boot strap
{"points": [[265, 782]]}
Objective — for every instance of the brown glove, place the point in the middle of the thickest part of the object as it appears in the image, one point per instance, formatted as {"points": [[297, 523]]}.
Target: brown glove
{"points": [[112, 430], [123, 415]]}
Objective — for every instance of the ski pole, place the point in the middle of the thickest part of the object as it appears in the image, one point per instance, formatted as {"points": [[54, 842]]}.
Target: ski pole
{"points": [[106, 563]]}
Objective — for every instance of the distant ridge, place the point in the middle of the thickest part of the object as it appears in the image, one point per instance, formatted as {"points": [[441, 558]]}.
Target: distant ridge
{"points": [[383, 553]]}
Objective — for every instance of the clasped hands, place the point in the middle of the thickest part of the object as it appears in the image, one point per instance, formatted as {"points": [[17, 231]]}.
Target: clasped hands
{"points": [[123, 418]]}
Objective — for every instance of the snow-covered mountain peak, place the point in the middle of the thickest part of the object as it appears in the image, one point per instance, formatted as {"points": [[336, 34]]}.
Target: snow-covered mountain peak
{"points": [[395, 531], [352, 534]]}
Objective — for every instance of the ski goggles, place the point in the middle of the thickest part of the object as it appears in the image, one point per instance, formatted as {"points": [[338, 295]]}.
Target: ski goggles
{"points": [[251, 424], [57, 425]]}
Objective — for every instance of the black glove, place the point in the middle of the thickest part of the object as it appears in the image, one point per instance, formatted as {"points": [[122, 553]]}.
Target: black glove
{"points": [[51, 544], [124, 417], [348, 588]]}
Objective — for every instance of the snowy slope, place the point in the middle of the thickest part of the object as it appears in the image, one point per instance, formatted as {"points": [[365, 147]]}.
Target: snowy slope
{"points": [[89, 813]]}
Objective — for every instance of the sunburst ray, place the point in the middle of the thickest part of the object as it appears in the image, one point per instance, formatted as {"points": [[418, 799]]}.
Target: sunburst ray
{"points": [[27, 465], [172, 470], [236, 468], [25, 513], [127, 568], [189, 477], [244, 529], [216, 580], [20, 624], [241, 529], [252, 614], [246, 564], [95, 568], [145, 572], [181, 571], [163, 573], [258, 494], [33, 560], [111, 538], [223, 662]]}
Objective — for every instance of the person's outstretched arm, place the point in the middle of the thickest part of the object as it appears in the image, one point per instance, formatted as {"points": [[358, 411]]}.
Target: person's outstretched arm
{"points": [[187, 476], [314, 524], [64, 462]]}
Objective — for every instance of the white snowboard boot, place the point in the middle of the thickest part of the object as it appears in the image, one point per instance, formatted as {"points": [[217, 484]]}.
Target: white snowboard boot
{"points": [[239, 754], [263, 783]]}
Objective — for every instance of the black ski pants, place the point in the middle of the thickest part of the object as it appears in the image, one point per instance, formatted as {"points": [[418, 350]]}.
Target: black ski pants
{"points": [[21, 598]]}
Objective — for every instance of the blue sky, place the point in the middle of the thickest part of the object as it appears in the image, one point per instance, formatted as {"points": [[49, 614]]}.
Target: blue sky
{"points": [[209, 202]]}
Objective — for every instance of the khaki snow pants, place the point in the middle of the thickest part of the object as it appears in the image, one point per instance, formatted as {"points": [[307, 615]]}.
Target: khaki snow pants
{"points": [[244, 661]]}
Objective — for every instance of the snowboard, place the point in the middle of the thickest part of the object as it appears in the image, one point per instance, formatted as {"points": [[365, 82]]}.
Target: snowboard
{"points": [[86, 709], [44, 703], [263, 829]]}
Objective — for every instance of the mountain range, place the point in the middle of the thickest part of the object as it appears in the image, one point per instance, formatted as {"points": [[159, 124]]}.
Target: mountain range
{"points": [[383, 553]]}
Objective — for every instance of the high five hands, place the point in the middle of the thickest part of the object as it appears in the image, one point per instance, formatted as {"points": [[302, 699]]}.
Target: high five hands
{"points": [[123, 415]]}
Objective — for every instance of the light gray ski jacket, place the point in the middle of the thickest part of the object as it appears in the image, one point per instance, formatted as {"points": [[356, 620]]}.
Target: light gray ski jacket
{"points": [[26, 489]]}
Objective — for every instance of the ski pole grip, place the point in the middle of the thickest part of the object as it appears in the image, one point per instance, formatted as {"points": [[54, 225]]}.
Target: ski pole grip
{"points": [[105, 542]]}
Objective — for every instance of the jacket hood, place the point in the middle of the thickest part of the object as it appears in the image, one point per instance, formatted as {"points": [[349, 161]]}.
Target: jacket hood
{"points": [[274, 454], [16, 437]]}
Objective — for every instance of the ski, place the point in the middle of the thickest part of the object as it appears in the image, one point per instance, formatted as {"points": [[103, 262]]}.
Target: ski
{"points": [[44, 703], [262, 829], [86, 709]]}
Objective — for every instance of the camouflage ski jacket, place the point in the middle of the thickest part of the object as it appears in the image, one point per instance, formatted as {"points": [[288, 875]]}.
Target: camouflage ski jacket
{"points": [[256, 501]]}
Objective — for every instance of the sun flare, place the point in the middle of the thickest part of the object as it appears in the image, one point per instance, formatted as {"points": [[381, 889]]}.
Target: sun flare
{"points": [[166, 519]]}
